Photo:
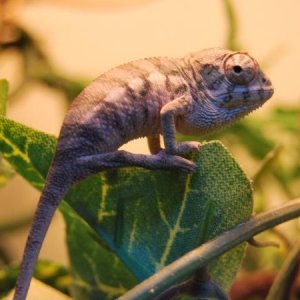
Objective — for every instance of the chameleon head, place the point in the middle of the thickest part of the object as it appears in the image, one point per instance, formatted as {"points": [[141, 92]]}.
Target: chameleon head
{"points": [[234, 81], [229, 85]]}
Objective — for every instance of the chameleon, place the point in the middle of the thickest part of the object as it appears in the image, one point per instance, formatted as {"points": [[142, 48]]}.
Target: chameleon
{"points": [[193, 95]]}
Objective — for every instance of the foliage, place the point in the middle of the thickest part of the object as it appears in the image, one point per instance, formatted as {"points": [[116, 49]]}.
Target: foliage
{"points": [[6, 171], [52, 274]]}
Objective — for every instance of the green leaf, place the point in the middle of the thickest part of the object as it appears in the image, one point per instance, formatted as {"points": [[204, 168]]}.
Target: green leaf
{"points": [[6, 171], [287, 118], [3, 96], [97, 272], [148, 218], [54, 275], [8, 277], [28, 151]]}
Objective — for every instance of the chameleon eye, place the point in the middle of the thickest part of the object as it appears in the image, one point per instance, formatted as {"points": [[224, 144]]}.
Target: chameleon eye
{"points": [[237, 69], [240, 68]]}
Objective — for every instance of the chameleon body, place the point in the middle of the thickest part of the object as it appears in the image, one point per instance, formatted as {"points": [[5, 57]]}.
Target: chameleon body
{"points": [[145, 98]]}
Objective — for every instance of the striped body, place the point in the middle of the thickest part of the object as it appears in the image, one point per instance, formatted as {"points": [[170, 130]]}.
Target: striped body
{"points": [[122, 104]]}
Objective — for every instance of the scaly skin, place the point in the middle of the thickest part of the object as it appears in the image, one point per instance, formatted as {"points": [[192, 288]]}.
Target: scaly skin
{"points": [[197, 94]]}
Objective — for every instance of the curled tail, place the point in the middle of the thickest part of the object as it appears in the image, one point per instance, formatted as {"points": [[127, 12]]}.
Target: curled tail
{"points": [[56, 186]]}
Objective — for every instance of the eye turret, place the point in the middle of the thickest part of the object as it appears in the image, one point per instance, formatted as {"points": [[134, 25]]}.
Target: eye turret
{"points": [[240, 68]]}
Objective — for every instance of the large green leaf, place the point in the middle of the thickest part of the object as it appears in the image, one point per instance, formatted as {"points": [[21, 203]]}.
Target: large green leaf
{"points": [[148, 218], [151, 218]]}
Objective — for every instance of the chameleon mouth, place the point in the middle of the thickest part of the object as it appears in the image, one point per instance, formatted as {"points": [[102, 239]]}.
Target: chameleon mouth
{"points": [[264, 94], [268, 92], [248, 98]]}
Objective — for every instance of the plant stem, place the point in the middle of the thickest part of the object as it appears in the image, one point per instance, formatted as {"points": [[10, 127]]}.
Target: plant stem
{"points": [[284, 278], [231, 42], [202, 255]]}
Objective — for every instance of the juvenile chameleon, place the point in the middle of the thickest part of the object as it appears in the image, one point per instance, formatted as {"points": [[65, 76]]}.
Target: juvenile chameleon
{"points": [[193, 95]]}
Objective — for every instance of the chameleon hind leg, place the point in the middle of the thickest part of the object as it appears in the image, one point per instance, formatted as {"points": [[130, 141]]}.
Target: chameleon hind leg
{"points": [[154, 143], [95, 163]]}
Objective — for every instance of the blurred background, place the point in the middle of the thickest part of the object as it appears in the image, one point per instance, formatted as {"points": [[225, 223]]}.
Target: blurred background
{"points": [[49, 50]]}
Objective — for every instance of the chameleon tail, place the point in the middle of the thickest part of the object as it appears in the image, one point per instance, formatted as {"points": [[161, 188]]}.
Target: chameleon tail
{"points": [[56, 186]]}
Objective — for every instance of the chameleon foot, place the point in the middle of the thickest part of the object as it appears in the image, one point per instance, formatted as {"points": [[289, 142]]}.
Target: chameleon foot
{"points": [[176, 162]]}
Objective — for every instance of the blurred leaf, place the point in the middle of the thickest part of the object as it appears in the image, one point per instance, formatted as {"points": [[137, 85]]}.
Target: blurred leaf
{"points": [[69, 86], [147, 218], [8, 278], [6, 172], [37, 66], [53, 274], [38, 288], [14, 223], [287, 118], [3, 96]]}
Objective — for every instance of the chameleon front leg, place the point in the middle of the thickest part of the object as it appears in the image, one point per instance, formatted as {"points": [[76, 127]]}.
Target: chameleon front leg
{"points": [[169, 112], [92, 164]]}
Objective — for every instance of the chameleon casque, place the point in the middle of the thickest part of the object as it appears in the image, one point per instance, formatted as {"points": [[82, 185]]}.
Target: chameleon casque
{"points": [[193, 95]]}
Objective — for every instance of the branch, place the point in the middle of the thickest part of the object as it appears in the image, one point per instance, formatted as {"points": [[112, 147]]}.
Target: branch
{"points": [[202, 255], [266, 164]]}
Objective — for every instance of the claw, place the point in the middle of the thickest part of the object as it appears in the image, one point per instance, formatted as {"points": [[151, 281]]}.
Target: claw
{"points": [[183, 164], [186, 166]]}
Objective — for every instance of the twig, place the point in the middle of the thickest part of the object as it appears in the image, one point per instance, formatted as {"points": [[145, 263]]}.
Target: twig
{"points": [[231, 42], [284, 279], [267, 162]]}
